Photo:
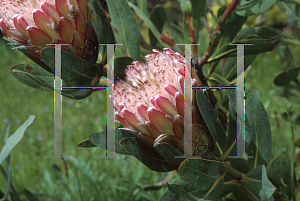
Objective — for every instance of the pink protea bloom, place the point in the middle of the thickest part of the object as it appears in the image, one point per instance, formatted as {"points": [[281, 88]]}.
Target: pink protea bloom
{"points": [[150, 103], [31, 24]]}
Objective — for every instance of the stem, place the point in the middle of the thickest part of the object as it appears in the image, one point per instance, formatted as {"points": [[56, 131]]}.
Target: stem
{"points": [[167, 40], [226, 167], [213, 42], [194, 48], [231, 172]]}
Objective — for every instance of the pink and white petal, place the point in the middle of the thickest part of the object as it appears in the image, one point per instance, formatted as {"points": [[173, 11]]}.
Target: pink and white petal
{"points": [[166, 105], [159, 120]]}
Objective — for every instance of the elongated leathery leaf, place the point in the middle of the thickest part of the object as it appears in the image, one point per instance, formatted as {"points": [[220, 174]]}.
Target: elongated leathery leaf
{"points": [[100, 139], [256, 182], [102, 28], [148, 156], [198, 8], [169, 153], [199, 172], [183, 191], [286, 76], [260, 45], [150, 24], [86, 143], [207, 113], [264, 32], [125, 28], [15, 138], [34, 76], [75, 70], [261, 143], [253, 7], [279, 173], [158, 17]]}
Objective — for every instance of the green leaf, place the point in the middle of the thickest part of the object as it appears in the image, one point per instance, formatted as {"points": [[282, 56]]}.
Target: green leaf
{"points": [[286, 56], [199, 172], [207, 113], [286, 76], [220, 144], [100, 139], [232, 95], [219, 79], [176, 48], [181, 195], [216, 190], [75, 70], [125, 28], [102, 28], [253, 7], [169, 153], [279, 173], [264, 32], [120, 65], [36, 60], [142, 4], [183, 191], [34, 76], [290, 1], [257, 183], [7, 176], [176, 33], [158, 17], [86, 144], [148, 22], [261, 143], [260, 45], [5, 133], [180, 191], [240, 164], [231, 137], [229, 70], [216, 111], [290, 92], [186, 7], [198, 8], [148, 156], [15, 138], [186, 30]]}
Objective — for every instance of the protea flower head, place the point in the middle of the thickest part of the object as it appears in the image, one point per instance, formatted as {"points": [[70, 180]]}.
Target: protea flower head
{"points": [[150, 103], [31, 24]]}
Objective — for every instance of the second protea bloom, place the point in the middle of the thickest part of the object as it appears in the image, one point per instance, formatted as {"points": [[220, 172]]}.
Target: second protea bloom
{"points": [[150, 103], [31, 24]]}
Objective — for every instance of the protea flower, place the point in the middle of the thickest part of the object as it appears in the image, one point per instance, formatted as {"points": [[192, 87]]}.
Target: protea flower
{"points": [[150, 103], [31, 24]]}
